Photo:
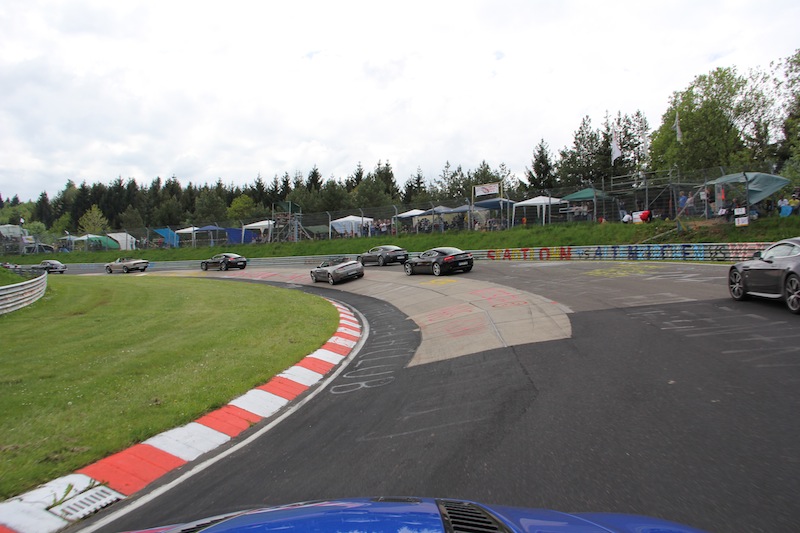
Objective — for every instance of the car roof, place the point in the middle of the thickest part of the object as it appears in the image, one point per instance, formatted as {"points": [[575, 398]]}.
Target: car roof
{"points": [[447, 250], [792, 240]]}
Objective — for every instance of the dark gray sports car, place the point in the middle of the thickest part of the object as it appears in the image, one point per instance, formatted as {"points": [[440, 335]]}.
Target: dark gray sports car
{"points": [[438, 261], [383, 255], [773, 273], [224, 261], [337, 269]]}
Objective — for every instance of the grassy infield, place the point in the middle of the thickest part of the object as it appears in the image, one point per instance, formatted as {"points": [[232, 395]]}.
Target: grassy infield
{"points": [[101, 363]]}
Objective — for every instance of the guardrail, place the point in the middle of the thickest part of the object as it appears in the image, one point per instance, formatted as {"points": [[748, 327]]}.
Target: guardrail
{"points": [[19, 295]]}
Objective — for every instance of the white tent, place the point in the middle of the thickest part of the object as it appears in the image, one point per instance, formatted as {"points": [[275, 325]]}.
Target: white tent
{"points": [[126, 241], [260, 225], [411, 213], [350, 225], [543, 204]]}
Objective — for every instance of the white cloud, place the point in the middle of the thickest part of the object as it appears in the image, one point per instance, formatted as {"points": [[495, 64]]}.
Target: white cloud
{"points": [[94, 90]]}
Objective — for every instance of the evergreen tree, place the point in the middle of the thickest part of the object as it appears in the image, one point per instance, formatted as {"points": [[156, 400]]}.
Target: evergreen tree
{"points": [[43, 211], [541, 175], [314, 182]]}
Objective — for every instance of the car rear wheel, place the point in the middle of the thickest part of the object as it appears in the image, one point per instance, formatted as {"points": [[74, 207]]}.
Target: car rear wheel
{"points": [[108, 269], [468, 269], [437, 269], [736, 285], [331, 280], [203, 266], [381, 261], [223, 266], [408, 268], [125, 269], [791, 293]]}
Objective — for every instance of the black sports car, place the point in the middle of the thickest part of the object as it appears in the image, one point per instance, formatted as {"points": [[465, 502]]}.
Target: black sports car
{"points": [[383, 255], [224, 261], [438, 261], [773, 273]]}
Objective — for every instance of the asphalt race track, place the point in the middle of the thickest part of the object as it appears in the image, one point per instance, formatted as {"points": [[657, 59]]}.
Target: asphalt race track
{"points": [[577, 386]]}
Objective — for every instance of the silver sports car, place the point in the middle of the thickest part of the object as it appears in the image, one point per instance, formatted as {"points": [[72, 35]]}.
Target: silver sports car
{"points": [[337, 269]]}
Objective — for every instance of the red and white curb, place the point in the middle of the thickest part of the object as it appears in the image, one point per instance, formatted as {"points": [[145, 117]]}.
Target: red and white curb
{"points": [[61, 502]]}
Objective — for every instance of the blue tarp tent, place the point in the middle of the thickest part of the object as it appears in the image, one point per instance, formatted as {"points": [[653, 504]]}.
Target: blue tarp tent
{"points": [[235, 236], [170, 237]]}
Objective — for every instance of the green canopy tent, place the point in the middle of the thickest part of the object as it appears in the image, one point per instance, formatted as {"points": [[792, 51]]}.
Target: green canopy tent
{"points": [[589, 194], [98, 242], [586, 195], [759, 185]]}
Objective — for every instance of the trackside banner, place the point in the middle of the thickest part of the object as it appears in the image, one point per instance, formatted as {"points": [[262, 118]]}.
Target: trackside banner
{"points": [[722, 252], [487, 188]]}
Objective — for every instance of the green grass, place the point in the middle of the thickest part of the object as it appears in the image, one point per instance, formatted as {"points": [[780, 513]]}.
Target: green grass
{"points": [[101, 363], [8, 277]]}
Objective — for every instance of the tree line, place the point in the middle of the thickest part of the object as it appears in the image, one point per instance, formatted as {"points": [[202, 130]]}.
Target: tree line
{"points": [[722, 119]]}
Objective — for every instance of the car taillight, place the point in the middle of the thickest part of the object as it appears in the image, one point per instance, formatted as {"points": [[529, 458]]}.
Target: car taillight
{"points": [[449, 258]]}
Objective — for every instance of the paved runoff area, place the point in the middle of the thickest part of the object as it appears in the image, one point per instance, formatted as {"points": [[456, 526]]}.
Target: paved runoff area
{"points": [[457, 314]]}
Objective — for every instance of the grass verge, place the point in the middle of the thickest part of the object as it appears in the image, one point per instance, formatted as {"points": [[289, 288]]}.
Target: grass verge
{"points": [[101, 363]]}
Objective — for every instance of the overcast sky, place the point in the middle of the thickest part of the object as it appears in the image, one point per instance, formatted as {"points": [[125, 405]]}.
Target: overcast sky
{"points": [[96, 90]]}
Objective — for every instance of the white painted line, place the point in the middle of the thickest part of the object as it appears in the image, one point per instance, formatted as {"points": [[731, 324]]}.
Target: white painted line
{"points": [[341, 341], [350, 324], [260, 402], [328, 356], [348, 331], [301, 375], [188, 442]]}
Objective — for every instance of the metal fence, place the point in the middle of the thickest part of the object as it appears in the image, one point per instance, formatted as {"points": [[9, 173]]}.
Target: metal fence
{"points": [[19, 295]]}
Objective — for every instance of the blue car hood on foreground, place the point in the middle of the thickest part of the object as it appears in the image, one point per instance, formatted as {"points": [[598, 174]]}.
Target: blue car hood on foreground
{"points": [[422, 515]]}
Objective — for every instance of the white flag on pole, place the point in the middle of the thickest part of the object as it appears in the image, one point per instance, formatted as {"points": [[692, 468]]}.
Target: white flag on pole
{"points": [[677, 127], [616, 151]]}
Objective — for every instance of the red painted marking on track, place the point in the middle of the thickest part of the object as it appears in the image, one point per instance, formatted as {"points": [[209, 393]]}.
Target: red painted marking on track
{"points": [[446, 313], [133, 469], [283, 387], [337, 348], [316, 365], [347, 336], [475, 325], [4, 529], [226, 420]]}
